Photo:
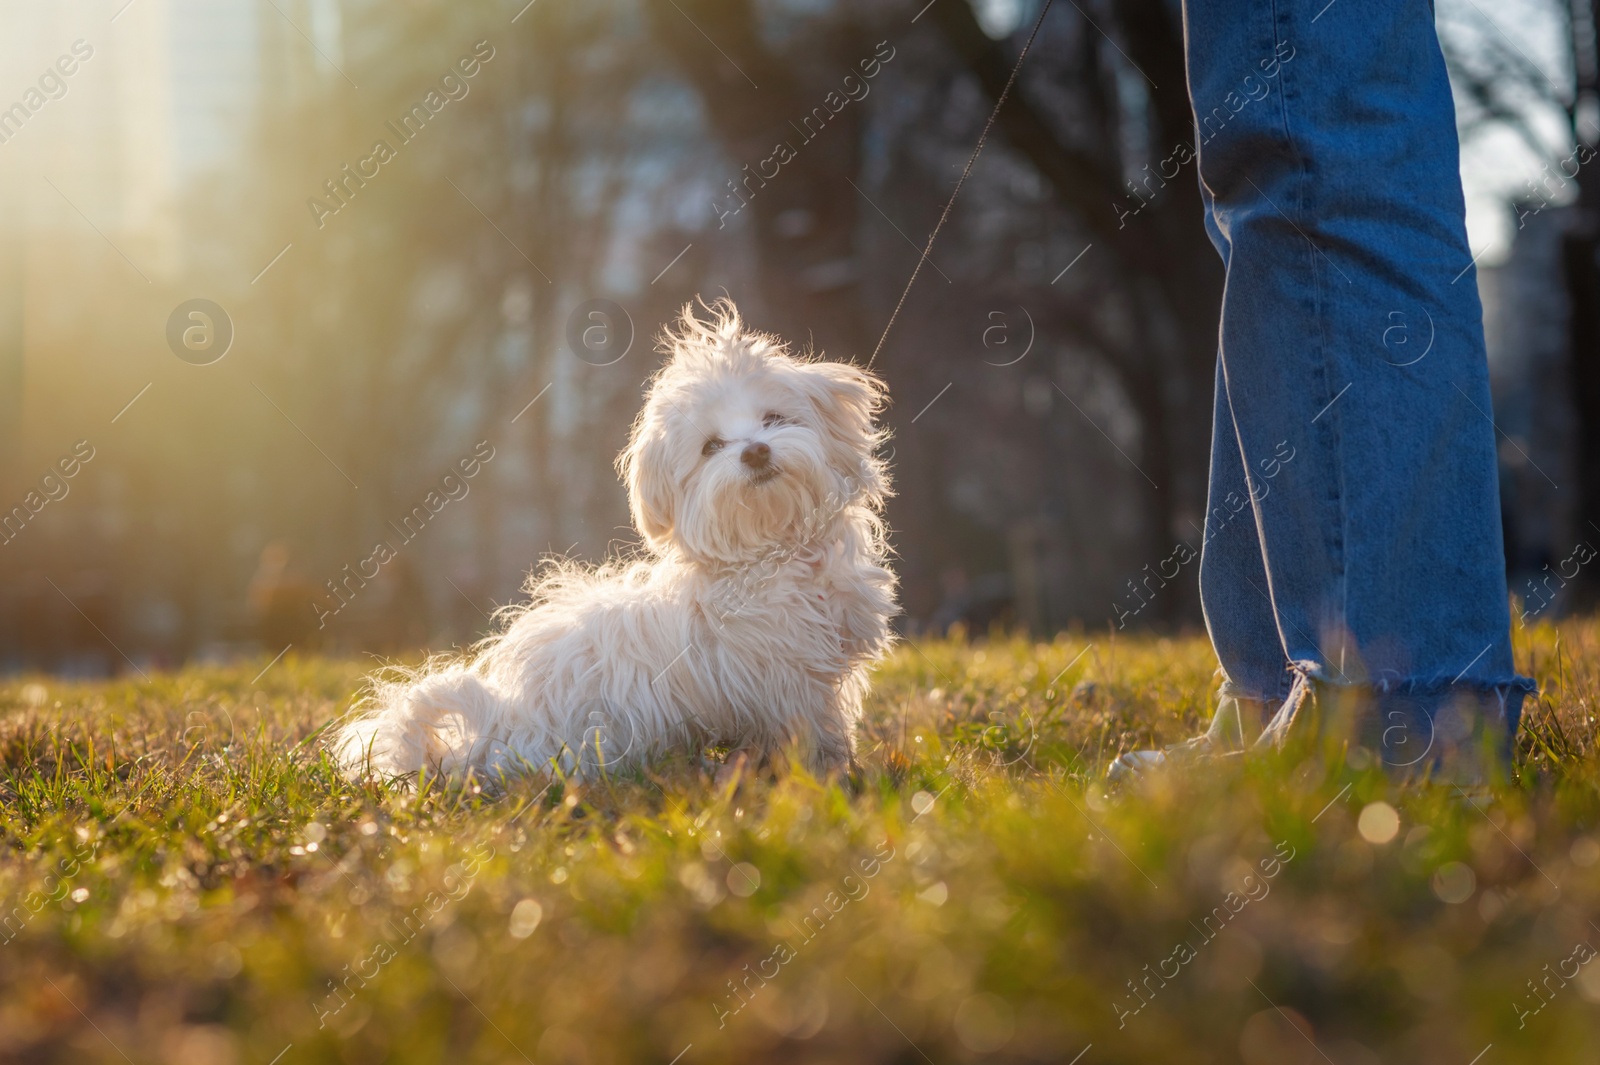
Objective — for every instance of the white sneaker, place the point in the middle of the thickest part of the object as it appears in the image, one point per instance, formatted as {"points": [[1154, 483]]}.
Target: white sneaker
{"points": [[1235, 720]]}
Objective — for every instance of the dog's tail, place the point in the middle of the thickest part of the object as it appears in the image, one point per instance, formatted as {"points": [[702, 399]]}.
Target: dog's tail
{"points": [[439, 718]]}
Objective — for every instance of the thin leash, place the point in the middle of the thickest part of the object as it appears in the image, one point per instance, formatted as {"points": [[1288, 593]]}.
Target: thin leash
{"points": [[971, 160]]}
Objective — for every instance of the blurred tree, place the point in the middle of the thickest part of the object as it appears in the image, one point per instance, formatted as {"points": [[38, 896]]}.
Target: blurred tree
{"points": [[1161, 281], [804, 226], [1553, 109], [1581, 260], [433, 298]]}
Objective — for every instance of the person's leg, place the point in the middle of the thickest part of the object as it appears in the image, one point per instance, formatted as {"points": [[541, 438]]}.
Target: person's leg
{"points": [[1327, 152], [1233, 589]]}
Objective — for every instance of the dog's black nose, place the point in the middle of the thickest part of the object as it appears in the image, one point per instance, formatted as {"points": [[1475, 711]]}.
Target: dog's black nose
{"points": [[756, 456]]}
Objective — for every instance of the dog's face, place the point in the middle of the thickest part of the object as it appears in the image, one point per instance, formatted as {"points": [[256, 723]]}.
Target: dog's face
{"points": [[742, 449]]}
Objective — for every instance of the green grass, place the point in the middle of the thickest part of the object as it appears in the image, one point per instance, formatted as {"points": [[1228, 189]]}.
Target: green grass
{"points": [[184, 879]]}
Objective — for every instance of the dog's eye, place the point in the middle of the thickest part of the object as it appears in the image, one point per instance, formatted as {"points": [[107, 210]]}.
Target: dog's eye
{"points": [[713, 446], [772, 418]]}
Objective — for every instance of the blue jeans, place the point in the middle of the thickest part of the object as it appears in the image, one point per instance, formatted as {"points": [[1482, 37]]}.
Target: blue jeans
{"points": [[1353, 549]]}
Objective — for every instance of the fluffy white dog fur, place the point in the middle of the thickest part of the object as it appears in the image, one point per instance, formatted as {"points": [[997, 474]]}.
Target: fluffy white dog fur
{"points": [[750, 617]]}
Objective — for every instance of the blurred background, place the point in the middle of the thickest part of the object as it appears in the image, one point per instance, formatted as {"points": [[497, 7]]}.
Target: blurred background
{"points": [[285, 464]]}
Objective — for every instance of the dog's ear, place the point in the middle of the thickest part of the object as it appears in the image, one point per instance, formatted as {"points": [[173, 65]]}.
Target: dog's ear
{"points": [[646, 470], [847, 400]]}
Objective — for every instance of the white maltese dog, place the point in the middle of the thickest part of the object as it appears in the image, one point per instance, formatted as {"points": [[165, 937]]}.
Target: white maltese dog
{"points": [[750, 619]]}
